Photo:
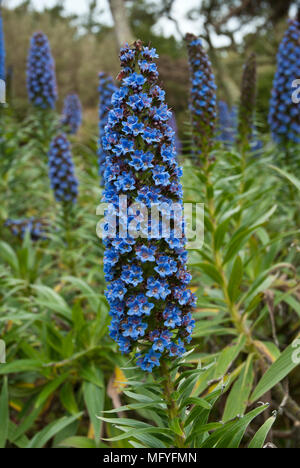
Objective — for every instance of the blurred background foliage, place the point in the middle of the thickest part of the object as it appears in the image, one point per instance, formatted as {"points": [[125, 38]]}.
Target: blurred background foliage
{"points": [[84, 45]]}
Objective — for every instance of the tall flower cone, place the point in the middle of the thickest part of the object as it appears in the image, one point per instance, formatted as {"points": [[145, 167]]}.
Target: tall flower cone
{"points": [[41, 79], [61, 170], [150, 303], [284, 115], [247, 103], [203, 102], [106, 90], [72, 113], [227, 123], [2, 49]]}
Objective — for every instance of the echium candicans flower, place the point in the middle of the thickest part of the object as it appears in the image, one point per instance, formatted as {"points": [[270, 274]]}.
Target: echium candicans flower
{"points": [[41, 79], [173, 125], [203, 102], [247, 102], [227, 123], [106, 90], [150, 303], [72, 113], [61, 170], [284, 116], [37, 228], [2, 49]]}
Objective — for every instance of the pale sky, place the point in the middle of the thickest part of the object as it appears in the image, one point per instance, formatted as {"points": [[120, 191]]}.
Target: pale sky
{"points": [[165, 26], [80, 7]]}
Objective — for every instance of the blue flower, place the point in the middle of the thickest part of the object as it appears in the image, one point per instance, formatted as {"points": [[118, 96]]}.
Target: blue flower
{"points": [[227, 123], [132, 274], [141, 161], [173, 126], [115, 290], [41, 80], [61, 170], [202, 97], [125, 146], [134, 80], [107, 90], [147, 275], [160, 175], [284, 115], [2, 50], [134, 328], [125, 182], [176, 349], [148, 361], [72, 113], [139, 305], [166, 266], [157, 288], [140, 101], [37, 228]]}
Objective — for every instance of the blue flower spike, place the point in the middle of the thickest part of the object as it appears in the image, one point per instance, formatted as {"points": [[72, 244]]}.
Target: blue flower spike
{"points": [[72, 114], [150, 303], [284, 115], [41, 79], [203, 101], [106, 90], [61, 170], [2, 49]]}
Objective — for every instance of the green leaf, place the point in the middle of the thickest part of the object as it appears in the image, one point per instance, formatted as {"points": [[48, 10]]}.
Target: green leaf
{"points": [[210, 270], [50, 388], [237, 400], [43, 436], [78, 442], [231, 434], [9, 256], [4, 414], [288, 176], [227, 356], [22, 365], [94, 400], [67, 398], [287, 361], [261, 435], [49, 299], [196, 402], [235, 279]]}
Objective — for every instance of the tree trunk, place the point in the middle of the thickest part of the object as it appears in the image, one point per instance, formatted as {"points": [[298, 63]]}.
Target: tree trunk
{"points": [[122, 27]]}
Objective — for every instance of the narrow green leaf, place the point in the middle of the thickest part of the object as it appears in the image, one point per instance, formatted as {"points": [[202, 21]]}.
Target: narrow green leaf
{"points": [[237, 400], [42, 437], [291, 178], [261, 435], [94, 400], [287, 361]]}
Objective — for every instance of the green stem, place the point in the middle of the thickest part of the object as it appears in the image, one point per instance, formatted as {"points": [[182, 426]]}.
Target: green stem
{"points": [[172, 407]]}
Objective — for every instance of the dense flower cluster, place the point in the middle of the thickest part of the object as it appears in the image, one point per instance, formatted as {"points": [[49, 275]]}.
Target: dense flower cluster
{"points": [[41, 80], [203, 102], [106, 90], [227, 123], [150, 303], [246, 127], [2, 49], [61, 170], [72, 113], [173, 125], [284, 116], [37, 228]]}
